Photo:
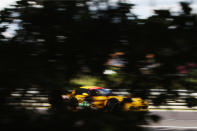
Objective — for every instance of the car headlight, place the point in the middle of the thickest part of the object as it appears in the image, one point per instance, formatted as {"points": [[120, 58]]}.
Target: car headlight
{"points": [[65, 97]]}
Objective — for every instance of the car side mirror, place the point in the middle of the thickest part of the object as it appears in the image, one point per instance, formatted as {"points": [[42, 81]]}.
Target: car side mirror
{"points": [[85, 94]]}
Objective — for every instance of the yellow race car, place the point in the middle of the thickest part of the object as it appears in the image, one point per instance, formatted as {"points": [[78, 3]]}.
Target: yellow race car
{"points": [[99, 98]]}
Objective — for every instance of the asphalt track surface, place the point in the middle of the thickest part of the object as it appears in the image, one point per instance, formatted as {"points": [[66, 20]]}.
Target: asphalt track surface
{"points": [[174, 121]]}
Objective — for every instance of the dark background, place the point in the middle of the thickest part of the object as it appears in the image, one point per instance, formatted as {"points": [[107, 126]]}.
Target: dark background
{"points": [[62, 40]]}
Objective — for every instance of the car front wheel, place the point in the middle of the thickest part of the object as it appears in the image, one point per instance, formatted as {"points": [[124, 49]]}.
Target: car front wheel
{"points": [[113, 105]]}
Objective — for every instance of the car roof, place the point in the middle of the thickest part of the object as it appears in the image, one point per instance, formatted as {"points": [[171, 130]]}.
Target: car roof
{"points": [[91, 87]]}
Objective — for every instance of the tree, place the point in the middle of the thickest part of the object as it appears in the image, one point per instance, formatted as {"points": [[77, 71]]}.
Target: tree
{"points": [[58, 40]]}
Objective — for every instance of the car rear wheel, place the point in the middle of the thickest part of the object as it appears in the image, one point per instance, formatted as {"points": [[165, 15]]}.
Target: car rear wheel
{"points": [[72, 104]]}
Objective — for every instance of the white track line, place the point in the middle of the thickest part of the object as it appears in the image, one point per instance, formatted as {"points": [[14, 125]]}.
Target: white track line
{"points": [[172, 110], [171, 127]]}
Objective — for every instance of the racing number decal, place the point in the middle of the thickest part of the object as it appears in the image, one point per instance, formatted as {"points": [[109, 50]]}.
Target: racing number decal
{"points": [[84, 103]]}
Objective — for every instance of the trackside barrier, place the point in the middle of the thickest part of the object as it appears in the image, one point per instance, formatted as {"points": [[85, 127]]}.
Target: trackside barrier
{"points": [[35, 99]]}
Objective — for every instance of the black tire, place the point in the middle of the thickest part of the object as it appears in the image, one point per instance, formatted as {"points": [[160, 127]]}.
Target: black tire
{"points": [[113, 105], [72, 104]]}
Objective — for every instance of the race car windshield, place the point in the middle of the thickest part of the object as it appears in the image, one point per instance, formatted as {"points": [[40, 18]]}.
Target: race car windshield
{"points": [[100, 92]]}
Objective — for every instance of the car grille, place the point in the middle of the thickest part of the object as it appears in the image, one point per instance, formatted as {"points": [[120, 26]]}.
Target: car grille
{"points": [[144, 107]]}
